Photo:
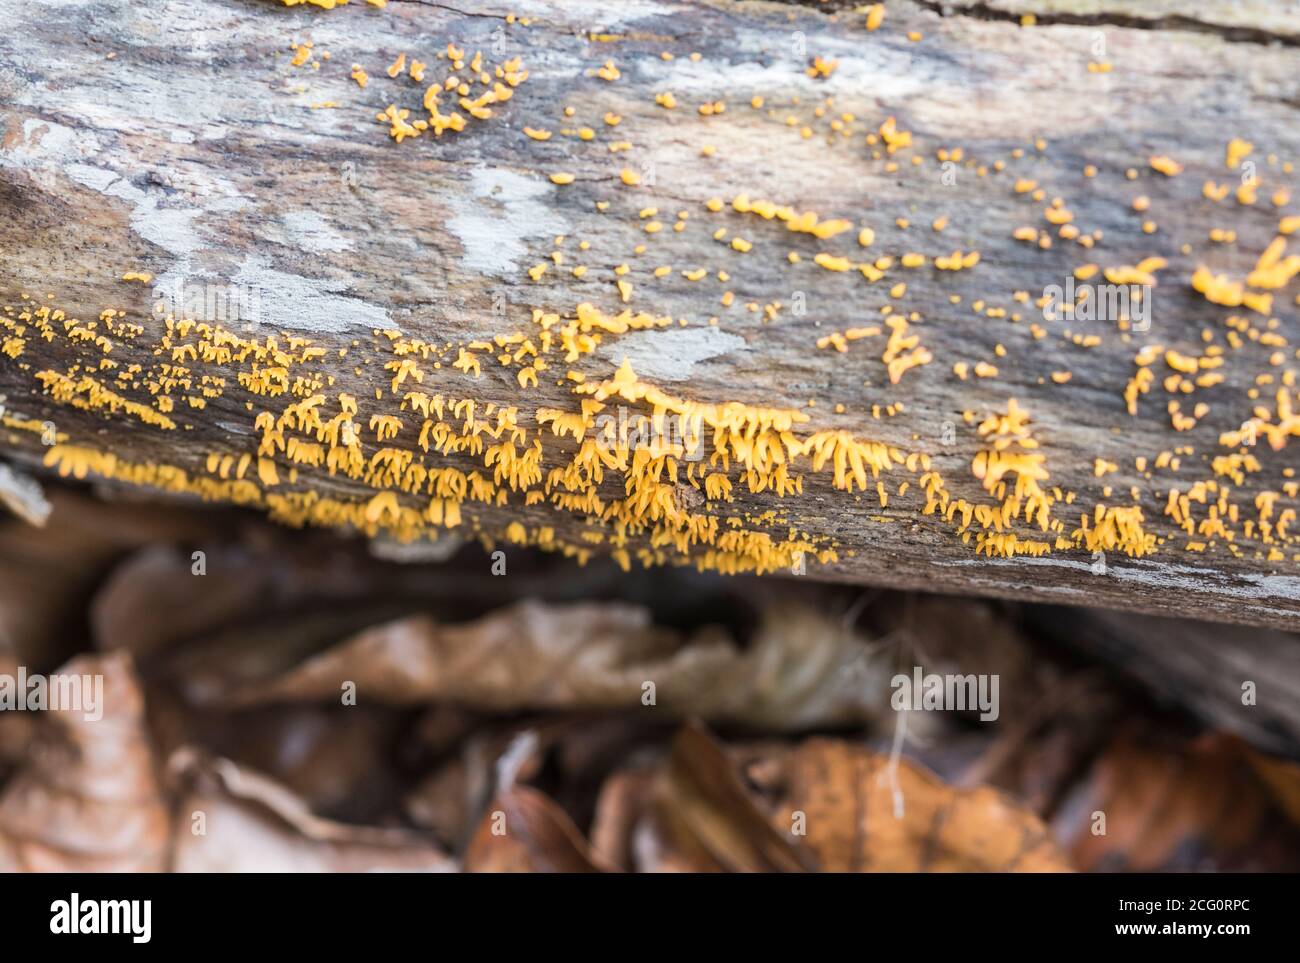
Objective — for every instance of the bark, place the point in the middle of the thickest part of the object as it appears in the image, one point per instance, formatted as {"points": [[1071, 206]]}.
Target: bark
{"points": [[177, 140]]}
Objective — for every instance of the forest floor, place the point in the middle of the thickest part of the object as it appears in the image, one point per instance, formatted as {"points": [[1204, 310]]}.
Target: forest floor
{"points": [[283, 700]]}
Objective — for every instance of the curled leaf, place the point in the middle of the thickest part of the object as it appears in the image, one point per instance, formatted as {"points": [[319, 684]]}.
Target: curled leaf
{"points": [[800, 669], [88, 799], [233, 820], [524, 831]]}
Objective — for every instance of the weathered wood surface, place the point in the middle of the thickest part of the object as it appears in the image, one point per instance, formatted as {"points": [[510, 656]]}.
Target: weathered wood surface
{"points": [[176, 139]]}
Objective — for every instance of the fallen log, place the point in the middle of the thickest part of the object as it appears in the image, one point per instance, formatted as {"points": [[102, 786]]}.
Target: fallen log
{"points": [[968, 303]]}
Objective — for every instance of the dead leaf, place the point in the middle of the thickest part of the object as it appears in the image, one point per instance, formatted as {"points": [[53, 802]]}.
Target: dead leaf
{"points": [[512, 659], [233, 820], [1171, 804], [1282, 779], [709, 820], [620, 808], [863, 814], [450, 800], [826, 804], [88, 799], [337, 760], [801, 669], [524, 831]]}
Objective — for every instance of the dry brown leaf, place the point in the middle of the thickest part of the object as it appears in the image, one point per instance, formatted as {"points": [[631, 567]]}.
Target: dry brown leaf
{"points": [[705, 819], [1282, 779], [830, 805], [450, 800], [251, 824], [88, 799], [339, 761], [620, 808], [801, 668], [863, 814], [1172, 804], [576, 752], [524, 831]]}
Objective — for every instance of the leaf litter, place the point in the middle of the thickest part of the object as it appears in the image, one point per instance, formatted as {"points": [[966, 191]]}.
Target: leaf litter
{"points": [[664, 722]]}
